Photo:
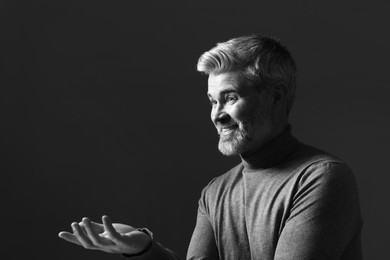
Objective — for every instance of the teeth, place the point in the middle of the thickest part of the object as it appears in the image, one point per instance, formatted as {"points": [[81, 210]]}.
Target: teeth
{"points": [[225, 131]]}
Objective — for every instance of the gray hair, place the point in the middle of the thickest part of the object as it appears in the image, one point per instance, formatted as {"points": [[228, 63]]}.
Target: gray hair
{"points": [[262, 60]]}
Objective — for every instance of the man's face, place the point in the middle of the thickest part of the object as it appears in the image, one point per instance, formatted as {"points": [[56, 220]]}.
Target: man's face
{"points": [[240, 112]]}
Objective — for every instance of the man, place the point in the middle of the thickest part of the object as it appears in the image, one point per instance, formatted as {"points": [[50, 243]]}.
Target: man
{"points": [[285, 200]]}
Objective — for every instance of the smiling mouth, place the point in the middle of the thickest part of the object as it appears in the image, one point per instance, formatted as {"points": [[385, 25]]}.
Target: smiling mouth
{"points": [[227, 130]]}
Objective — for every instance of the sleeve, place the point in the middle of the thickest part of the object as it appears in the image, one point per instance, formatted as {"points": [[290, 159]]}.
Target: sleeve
{"points": [[155, 252], [203, 245], [325, 219]]}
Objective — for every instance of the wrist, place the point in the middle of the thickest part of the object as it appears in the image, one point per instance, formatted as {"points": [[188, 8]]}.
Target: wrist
{"points": [[145, 242]]}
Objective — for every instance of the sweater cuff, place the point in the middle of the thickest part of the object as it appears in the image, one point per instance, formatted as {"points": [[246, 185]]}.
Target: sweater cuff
{"points": [[153, 251], [141, 252]]}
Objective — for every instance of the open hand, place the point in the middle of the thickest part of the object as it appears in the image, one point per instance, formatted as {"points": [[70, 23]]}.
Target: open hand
{"points": [[107, 237]]}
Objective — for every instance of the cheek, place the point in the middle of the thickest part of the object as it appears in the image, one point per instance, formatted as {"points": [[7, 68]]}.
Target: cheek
{"points": [[240, 111]]}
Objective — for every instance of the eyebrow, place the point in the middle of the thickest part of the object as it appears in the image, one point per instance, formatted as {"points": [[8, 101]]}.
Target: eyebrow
{"points": [[224, 92]]}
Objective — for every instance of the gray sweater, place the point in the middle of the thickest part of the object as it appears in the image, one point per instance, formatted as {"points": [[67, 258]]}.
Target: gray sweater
{"points": [[287, 201]]}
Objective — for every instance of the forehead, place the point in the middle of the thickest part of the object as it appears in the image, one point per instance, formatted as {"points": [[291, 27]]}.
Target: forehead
{"points": [[229, 82]]}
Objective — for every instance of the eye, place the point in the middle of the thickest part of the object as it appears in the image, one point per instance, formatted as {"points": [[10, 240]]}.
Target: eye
{"points": [[213, 102], [231, 99]]}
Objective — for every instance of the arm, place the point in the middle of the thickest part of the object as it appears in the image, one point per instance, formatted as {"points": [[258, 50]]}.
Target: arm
{"points": [[325, 219], [116, 238], [202, 246]]}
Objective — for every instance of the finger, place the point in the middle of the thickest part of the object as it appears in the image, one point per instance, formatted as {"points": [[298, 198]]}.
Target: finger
{"points": [[111, 232], [82, 236], [93, 236], [96, 227], [69, 237], [82, 226]]}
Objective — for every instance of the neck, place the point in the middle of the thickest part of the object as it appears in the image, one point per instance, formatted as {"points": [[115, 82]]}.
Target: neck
{"points": [[276, 131], [273, 152]]}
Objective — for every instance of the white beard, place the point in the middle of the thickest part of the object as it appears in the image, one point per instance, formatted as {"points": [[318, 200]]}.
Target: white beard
{"points": [[250, 134]]}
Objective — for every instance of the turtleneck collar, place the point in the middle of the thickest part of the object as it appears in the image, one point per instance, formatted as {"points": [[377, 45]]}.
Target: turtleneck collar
{"points": [[272, 153]]}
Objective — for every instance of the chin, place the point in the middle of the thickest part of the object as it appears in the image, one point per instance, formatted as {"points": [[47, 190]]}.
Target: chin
{"points": [[232, 148], [227, 152], [241, 145]]}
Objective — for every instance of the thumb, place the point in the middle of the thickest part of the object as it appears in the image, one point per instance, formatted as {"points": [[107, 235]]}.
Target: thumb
{"points": [[111, 232]]}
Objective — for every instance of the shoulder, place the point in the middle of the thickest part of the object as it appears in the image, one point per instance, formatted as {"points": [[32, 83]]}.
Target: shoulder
{"points": [[307, 155], [312, 169], [218, 186], [309, 161], [224, 180], [322, 175], [327, 173]]}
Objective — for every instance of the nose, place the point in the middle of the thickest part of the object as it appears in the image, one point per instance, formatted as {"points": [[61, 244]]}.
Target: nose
{"points": [[219, 115]]}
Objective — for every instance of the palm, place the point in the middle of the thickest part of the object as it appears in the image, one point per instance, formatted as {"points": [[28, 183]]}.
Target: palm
{"points": [[120, 228], [124, 230], [108, 237]]}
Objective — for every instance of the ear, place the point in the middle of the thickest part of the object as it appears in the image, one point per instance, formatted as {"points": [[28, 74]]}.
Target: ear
{"points": [[279, 94]]}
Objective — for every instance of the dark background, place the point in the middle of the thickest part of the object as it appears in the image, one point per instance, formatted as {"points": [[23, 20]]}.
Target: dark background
{"points": [[103, 112]]}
